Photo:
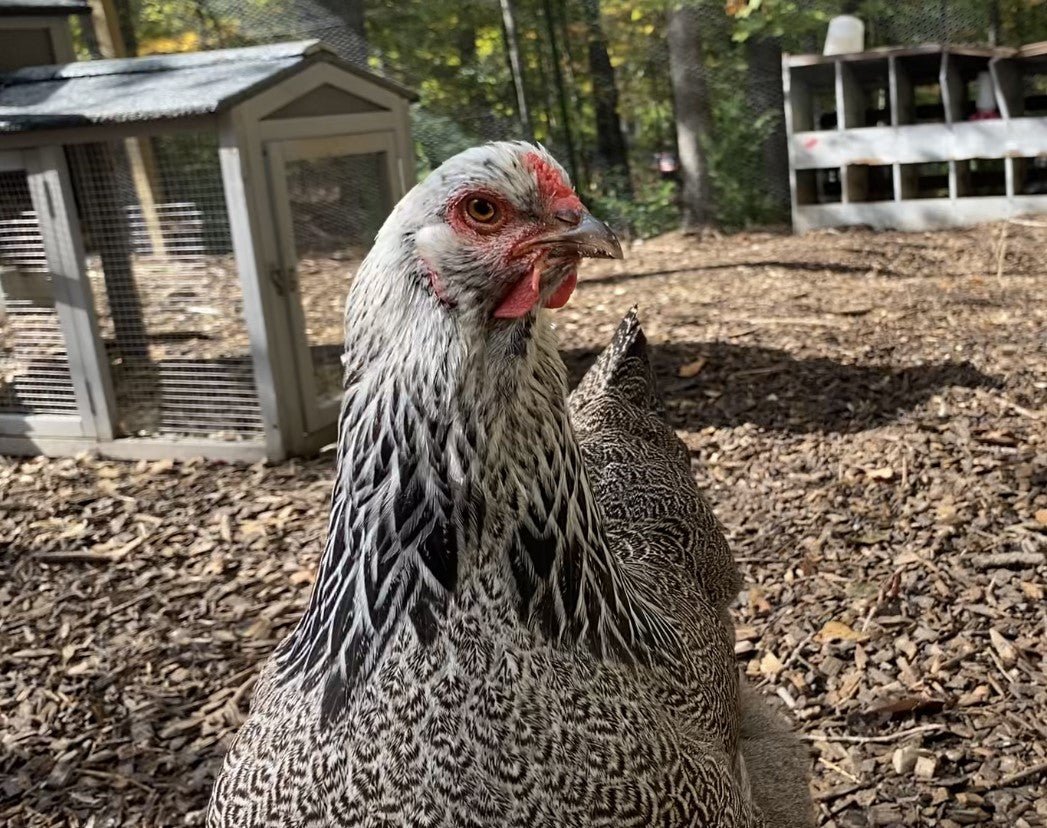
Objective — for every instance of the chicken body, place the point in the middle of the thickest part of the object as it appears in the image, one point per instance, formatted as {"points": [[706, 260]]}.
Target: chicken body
{"points": [[520, 617]]}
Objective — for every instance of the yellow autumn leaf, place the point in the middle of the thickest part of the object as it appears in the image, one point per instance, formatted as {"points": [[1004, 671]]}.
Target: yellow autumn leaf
{"points": [[691, 369], [770, 664], [1032, 590], [838, 631]]}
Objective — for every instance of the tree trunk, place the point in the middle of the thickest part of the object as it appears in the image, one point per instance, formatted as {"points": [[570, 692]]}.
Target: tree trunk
{"points": [[994, 23], [120, 28], [575, 101], [465, 42], [354, 16], [693, 115], [764, 56], [613, 156], [97, 173], [561, 90], [548, 115], [487, 123], [512, 48]]}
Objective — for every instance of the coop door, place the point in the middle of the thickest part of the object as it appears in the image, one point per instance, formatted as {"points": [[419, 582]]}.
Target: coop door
{"points": [[331, 196], [50, 376]]}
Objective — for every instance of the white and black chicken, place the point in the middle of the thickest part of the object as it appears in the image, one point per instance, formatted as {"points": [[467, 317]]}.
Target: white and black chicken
{"points": [[520, 615]]}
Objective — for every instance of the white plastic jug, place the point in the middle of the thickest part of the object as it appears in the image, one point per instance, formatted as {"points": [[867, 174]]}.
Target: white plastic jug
{"points": [[986, 101], [846, 34]]}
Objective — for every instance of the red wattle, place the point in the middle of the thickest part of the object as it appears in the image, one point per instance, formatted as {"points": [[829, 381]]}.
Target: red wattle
{"points": [[521, 298], [563, 293]]}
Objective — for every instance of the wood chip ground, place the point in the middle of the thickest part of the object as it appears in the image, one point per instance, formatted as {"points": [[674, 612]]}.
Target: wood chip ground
{"points": [[868, 414]]}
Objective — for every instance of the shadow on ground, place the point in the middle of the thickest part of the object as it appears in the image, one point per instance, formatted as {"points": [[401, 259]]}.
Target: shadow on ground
{"points": [[771, 388], [807, 267]]}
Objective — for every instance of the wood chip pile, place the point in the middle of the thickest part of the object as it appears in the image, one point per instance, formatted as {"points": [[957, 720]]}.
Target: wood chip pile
{"points": [[867, 413]]}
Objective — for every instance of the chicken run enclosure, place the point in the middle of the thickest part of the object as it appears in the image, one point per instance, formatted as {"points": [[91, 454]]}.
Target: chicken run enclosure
{"points": [[177, 235], [177, 231]]}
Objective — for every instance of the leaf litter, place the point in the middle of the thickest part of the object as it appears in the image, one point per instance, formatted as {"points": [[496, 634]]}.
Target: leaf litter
{"points": [[867, 413]]}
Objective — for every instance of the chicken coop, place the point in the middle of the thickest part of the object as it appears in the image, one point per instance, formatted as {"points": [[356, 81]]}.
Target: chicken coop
{"points": [[177, 236], [917, 138]]}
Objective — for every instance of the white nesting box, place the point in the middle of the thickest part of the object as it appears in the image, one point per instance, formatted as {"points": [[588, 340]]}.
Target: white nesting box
{"points": [[895, 138]]}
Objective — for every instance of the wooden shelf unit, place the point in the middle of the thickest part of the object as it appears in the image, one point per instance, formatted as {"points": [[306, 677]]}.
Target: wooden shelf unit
{"points": [[886, 138]]}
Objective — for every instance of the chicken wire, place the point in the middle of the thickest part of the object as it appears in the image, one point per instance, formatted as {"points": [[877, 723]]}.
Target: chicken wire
{"points": [[747, 152], [337, 205], [458, 57], [166, 287], [34, 365]]}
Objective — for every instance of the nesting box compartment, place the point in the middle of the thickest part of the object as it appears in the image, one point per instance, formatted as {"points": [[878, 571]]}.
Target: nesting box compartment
{"points": [[916, 138]]}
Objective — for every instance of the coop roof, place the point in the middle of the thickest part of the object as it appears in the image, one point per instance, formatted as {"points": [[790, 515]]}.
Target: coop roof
{"points": [[160, 87], [10, 8]]}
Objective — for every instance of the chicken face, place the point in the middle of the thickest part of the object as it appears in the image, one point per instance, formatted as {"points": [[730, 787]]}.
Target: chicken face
{"points": [[504, 232]]}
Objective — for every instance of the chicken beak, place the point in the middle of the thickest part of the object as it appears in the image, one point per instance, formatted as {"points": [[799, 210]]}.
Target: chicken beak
{"points": [[589, 238]]}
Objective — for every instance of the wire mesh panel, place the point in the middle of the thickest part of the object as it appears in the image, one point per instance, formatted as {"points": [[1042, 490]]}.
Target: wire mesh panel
{"points": [[336, 204], [166, 287], [34, 365], [601, 83]]}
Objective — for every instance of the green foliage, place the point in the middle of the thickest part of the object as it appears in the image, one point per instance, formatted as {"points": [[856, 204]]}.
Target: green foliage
{"points": [[801, 23], [635, 32], [734, 153], [165, 26], [778, 18], [453, 53], [653, 210], [436, 138], [77, 31], [453, 56]]}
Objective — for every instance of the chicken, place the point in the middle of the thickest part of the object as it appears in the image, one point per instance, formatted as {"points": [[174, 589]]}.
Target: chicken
{"points": [[777, 764], [640, 473], [519, 617]]}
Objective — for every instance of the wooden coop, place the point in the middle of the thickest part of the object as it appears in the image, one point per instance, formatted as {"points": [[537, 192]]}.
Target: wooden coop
{"points": [[177, 235], [918, 138]]}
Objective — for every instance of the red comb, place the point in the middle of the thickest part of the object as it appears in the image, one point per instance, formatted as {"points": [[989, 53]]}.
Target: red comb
{"points": [[551, 183]]}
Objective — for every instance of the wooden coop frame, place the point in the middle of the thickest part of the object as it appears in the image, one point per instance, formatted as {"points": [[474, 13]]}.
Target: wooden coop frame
{"points": [[864, 150], [35, 29], [264, 108]]}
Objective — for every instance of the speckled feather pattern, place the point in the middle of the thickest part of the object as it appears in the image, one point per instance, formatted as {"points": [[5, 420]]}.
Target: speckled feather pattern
{"points": [[519, 619]]}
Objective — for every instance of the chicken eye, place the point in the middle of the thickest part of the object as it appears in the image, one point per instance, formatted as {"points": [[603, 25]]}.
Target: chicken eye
{"points": [[481, 210]]}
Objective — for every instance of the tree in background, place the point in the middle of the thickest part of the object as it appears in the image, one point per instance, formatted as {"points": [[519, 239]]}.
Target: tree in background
{"points": [[512, 50], [612, 154], [339, 23], [761, 27], [604, 84], [561, 89], [764, 87], [693, 114]]}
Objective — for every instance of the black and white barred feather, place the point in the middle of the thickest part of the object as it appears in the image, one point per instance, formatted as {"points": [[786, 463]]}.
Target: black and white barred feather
{"points": [[519, 618]]}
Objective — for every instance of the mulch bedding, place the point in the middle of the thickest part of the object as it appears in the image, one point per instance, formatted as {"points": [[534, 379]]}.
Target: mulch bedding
{"points": [[867, 413]]}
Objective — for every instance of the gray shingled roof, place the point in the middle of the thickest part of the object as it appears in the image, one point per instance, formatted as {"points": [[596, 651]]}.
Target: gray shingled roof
{"points": [[129, 90], [9, 8]]}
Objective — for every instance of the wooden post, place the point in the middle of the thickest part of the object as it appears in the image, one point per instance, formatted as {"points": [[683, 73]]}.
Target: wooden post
{"points": [[267, 328]]}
